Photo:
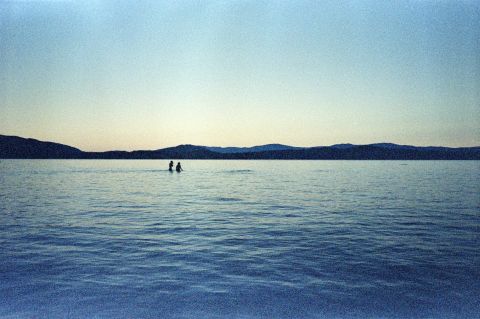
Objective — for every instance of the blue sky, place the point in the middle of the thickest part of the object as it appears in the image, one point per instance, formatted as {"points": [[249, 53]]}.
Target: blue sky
{"points": [[103, 75]]}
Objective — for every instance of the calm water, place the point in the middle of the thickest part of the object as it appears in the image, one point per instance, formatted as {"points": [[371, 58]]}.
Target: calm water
{"points": [[239, 239]]}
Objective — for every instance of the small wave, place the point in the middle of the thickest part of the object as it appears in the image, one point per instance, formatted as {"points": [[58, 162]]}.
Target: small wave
{"points": [[288, 207], [238, 171], [228, 199]]}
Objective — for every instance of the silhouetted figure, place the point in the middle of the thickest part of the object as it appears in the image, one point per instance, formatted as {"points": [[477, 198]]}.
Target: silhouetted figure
{"points": [[179, 167], [170, 166]]}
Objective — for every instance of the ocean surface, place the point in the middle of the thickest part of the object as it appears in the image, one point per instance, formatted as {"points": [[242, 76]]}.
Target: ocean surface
{"points": [[239, 239]]}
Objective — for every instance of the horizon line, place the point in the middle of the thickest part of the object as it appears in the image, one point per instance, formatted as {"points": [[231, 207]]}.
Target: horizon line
{"points": [[258, 145]]}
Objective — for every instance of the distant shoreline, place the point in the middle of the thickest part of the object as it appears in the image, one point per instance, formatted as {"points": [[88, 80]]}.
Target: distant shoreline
{"points": [[14, 147], [211, 159]]}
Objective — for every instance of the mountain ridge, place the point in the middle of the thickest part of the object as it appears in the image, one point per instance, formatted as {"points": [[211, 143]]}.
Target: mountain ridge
{"points": [[257, 148], [29, 148]]}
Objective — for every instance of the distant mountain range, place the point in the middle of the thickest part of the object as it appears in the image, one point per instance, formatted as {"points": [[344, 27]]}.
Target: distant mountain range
{"points": [[261, 148], [27, 148]]}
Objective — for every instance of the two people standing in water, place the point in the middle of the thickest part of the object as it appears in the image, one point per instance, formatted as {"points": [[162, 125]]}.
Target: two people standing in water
{"points": [[178, 168]]}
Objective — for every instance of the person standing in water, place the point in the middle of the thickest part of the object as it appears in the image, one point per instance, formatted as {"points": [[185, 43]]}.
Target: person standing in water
{"points": [[170, 166], [179, 167]]}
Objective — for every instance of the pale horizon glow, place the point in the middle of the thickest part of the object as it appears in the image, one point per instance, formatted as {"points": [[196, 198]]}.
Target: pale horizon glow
{"points": [[131, 75]]}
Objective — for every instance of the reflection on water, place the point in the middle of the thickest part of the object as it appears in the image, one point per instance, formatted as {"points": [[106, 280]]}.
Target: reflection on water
{"points": [[239, 239]]}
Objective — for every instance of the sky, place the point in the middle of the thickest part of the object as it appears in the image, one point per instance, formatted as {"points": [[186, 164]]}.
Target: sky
{"points": [[105, 75]]}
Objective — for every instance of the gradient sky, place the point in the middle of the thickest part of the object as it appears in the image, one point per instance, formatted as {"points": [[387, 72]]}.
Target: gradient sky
{"points": [[102, 75]]}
